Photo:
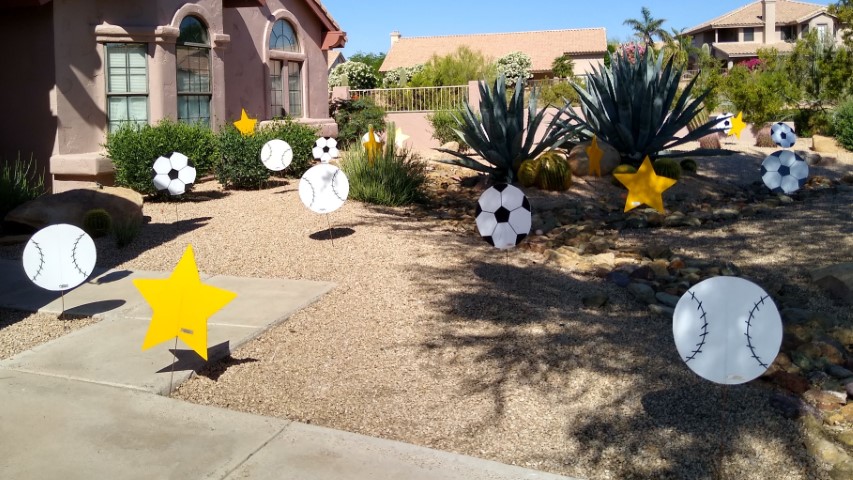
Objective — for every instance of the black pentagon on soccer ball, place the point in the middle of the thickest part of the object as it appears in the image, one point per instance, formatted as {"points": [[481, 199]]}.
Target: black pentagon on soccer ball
{"points": [[479, 211], [525, 204], [784, 170], [520, 238], [501, 187], [173, 174], [326, 149], [489, 239], [502, 215]]}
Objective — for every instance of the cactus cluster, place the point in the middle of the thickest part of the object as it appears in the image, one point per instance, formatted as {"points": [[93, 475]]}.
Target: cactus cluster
{"points": [[624, 168], [689, 165], [97, 222], [549, 171], [667, 167]]}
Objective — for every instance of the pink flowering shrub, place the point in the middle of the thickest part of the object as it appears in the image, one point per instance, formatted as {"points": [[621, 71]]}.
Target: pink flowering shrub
{"points": [[632, 50]]}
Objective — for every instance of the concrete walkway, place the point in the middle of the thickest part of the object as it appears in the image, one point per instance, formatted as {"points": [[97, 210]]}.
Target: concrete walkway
{"points": [[86, 405]]}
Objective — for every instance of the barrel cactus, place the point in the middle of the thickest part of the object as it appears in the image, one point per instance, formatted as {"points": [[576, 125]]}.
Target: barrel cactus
{"points": [[711, 140], [97, 222], [624, 168], [549, 171], [667, 167], [689, 165]]}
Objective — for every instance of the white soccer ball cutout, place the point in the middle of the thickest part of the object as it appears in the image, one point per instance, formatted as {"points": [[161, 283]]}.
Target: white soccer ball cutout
{"points": [[276, 155], [325, 149], [503, 216], [324, 188], [727, 330], [783, 135], [724, 123], [59, 257], [784, 172], [174, 173]]}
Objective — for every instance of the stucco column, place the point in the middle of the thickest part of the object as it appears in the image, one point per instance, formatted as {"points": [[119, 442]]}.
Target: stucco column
{"points": [[163, 90], [474, 95], [217, 103]]}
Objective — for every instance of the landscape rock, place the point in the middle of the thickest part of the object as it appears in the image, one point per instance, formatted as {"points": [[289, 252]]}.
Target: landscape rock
{"points": [[667, 299], [791, 382], [823, 144], [619, 277], [595, 300], [451, 146], [837, 280], [790, 407], [643, 293], [839, 372], [579, 160], [123, 205], [662, 311]]}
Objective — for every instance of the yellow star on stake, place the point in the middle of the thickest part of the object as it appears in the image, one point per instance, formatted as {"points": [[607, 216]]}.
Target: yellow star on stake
{"points": [[737, 125], [246, 125], [372, 147], [182, 305], [644, 187], [400, 137], [594, 153]]}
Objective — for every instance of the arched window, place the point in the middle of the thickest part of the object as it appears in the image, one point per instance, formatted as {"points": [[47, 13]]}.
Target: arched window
{"points": [[283, 37], [193, 60], [286, 63]]}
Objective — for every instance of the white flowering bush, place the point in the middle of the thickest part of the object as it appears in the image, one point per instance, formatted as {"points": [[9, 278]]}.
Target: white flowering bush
{"points": [[400, 76], [356, 75], [515, 66]]}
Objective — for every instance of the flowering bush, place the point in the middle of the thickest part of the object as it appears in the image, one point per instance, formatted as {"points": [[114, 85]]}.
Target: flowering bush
{"points": [[515, 66], [632, 50], [400, 76], [356, 75], [752, 63]]}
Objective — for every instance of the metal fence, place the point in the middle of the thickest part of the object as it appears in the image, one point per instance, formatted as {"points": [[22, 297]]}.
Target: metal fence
{"points": [[421, 99]]}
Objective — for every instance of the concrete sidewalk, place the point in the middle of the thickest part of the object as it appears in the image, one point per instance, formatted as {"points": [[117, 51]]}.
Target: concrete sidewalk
{"points": [[84, 405]]}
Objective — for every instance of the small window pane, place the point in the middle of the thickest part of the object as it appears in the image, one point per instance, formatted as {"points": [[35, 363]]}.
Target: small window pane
{"points": [[194, 109], [283, 37], [276, 105], [294, 88], [192, 31], [748, 34]]}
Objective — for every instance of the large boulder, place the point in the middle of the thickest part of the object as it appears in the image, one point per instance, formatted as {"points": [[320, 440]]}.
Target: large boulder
{"points": [[579, 160], [123, 205], [823, 144], [837, 280]]}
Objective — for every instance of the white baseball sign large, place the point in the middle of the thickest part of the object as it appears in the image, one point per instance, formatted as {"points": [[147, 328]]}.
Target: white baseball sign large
{"points": [[59, 257], [324, 188], [727, 330]]}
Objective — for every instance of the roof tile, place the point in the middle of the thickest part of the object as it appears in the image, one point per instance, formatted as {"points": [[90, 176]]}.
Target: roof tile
{"points": [[787, 12]]}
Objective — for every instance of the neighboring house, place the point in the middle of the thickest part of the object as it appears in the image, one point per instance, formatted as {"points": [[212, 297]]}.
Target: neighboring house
{"points": [[334, 58], [88, 66], [736, 36], [586, 47]]}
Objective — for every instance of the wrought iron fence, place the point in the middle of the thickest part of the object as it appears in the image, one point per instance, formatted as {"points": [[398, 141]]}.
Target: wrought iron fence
{"points": [[421, 99]]}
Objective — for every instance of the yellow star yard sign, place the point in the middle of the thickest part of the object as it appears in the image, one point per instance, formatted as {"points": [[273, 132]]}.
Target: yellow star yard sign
{"points": [[182, 305], [737, 125], [400, 138], [644, 187], [594, 153], [246, 125], [372, 146]]}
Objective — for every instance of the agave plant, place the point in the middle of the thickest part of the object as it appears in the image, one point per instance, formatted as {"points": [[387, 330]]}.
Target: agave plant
{"points": [[630, 106], [501, 138]]}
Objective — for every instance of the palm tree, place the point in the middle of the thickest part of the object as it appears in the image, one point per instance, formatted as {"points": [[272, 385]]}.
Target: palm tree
{"points": [[647, 28], [679, 47]]}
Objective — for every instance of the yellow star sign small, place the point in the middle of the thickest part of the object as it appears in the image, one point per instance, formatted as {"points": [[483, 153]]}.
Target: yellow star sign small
{"points": [[182, 305], [400, 137], [644, 187], [594, 152], [246, 125], [738, 125], [372, 146]]}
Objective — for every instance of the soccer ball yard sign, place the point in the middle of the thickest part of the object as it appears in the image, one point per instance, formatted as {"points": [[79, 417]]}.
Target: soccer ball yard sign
{"points": [[783, 135], [503, 216], [724, 123], [174, 173], [784, 172]]}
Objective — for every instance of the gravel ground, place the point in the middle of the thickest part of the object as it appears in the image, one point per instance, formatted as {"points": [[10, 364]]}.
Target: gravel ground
{"points": [[432, 337], [21, 331]]}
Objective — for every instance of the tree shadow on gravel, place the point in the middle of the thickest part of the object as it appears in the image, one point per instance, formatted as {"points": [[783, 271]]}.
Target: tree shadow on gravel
{"points": [[515, 328]]}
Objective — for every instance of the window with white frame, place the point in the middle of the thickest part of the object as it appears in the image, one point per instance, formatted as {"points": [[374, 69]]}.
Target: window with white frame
{"points": [[286, 64], [127, 84], [193, 70]]}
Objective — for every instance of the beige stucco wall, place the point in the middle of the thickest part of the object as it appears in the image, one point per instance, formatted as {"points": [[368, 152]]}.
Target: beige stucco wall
{"points": [[28, 124], [247, 61], [584, 63]]}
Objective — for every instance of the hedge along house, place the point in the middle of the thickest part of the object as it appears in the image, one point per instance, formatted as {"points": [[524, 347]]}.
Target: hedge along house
{"points": [[90, 66]]}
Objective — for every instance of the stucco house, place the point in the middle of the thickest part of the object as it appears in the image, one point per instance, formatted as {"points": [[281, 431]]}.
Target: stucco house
{"points": [[88, 66], [737, 35], [586, 47]]}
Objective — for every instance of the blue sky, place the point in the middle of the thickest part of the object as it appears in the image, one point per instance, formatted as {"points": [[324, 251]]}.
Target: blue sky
{"points": [[369, 24]]}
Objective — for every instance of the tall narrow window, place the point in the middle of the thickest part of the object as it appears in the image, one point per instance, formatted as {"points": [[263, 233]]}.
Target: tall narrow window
{"points": [[749, 34], [127, 84], [294, 88], [286, 63], [193, 59]]}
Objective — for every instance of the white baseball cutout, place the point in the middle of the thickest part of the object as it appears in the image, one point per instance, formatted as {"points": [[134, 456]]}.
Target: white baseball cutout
{"points": [[276, 155], [59, 257], [727, 330], [324, 188]]}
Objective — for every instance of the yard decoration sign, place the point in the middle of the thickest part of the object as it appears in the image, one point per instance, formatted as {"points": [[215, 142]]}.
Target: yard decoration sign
{"points": [[173, 173], [737, 125], [372, 146], [59, 257], [324, 188], [595, 153], [400, 138], [784, 172], [325, 149], [503, 216], [246, 125], [727, 330], [644, 187], [276, 155], [181, 305]]}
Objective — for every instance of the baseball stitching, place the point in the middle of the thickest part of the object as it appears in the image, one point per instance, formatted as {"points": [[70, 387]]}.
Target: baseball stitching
{"points": [[749, 326], [266, 152], [41, 260], [334, 190], [704, 333], [312, 191], [74, 256]]}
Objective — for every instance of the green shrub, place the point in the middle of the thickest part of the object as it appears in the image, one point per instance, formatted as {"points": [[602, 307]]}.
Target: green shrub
{"points": [[240, 165], [558, 93], [808, 123], [443, 124], [689, 165], [19, 183], [97, 222], [353, 117], [395, 178], [844, 124], [133, 150], [668, 167]]}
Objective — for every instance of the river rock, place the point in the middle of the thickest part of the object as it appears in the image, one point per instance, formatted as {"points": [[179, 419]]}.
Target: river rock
{"points": [[837, 280], [579, 160], [123, 204], [643, 293]]}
